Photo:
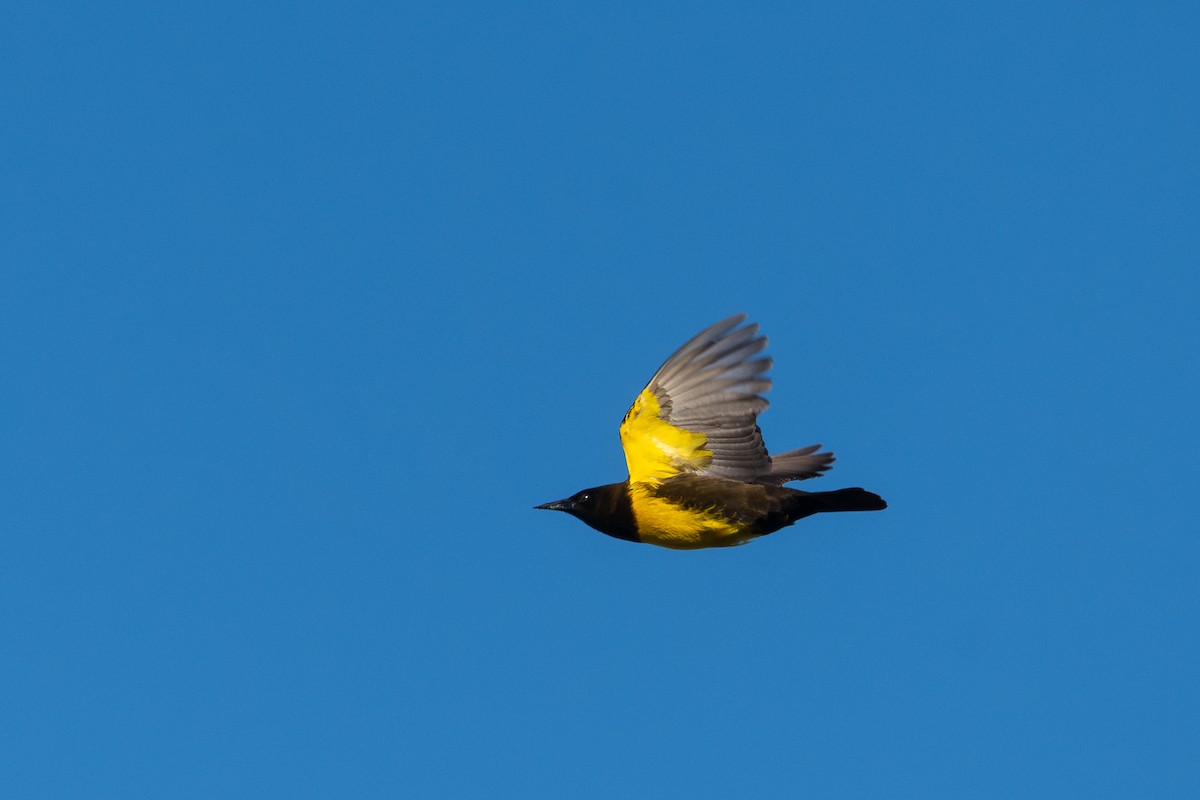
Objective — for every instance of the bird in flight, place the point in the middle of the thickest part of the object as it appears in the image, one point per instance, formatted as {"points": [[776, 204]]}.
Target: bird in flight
{"points": [[699, 473]]}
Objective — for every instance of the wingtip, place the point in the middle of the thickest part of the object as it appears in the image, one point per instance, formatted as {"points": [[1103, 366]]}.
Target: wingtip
{"points": [[723, 327]]}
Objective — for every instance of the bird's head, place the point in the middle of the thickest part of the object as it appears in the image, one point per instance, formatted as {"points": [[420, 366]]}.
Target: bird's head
{"points": [[578, 504], [605, 508]]}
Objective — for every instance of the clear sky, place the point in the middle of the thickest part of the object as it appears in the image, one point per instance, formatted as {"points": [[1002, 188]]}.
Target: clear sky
{"points": [[303, 307]]}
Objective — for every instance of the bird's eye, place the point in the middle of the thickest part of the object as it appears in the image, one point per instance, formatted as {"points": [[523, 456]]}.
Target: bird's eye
{"points": [[583, 498]]}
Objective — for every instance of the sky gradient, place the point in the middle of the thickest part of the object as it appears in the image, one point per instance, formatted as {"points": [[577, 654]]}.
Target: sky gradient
{"points": [[302, 309]]}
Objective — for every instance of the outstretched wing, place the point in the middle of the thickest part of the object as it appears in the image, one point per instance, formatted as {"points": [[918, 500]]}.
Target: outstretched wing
{"points": [[698, 412]]}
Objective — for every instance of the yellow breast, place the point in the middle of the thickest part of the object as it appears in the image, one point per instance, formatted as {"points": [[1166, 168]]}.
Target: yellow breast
{"points": [[667, 525]]}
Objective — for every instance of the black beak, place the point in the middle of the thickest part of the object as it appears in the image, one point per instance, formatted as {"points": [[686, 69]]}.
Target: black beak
{"points": [[557, 505]]}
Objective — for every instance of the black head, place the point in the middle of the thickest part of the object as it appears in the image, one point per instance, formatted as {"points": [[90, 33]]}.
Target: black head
{"points": [[578, 504], [605, 508]]}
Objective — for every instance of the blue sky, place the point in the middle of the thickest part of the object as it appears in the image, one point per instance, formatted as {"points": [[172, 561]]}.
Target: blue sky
{"points": [[303, 308]]}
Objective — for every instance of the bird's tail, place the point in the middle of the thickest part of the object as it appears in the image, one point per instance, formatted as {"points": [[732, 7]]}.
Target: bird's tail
{"points": [[850, 500], [807, 503]]}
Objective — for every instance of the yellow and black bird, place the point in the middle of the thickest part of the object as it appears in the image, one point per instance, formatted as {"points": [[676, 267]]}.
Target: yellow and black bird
{"points": [[699, 474]]}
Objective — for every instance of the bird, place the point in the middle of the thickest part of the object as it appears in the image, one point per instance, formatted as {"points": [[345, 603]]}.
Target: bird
{"points": [[699, 473]]}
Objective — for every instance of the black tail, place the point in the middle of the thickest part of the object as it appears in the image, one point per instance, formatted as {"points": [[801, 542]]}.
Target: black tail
{"points": [[807, 503]]}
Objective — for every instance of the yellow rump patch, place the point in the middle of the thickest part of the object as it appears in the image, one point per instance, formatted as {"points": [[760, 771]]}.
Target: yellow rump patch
{"points": [[654, 448]]}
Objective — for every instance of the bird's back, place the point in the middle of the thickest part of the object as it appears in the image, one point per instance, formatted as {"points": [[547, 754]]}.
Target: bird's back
{"points": [[692, 511]]}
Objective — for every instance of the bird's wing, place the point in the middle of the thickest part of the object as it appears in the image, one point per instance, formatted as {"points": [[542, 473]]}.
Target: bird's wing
{"points": [[797, 465], [698, 412]]}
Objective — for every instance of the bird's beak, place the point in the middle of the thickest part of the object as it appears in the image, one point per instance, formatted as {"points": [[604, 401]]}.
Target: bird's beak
{"points": [[557, 505]]}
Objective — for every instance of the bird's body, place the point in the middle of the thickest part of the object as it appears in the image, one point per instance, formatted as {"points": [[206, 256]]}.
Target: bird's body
{"points": [[699, 474]]}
